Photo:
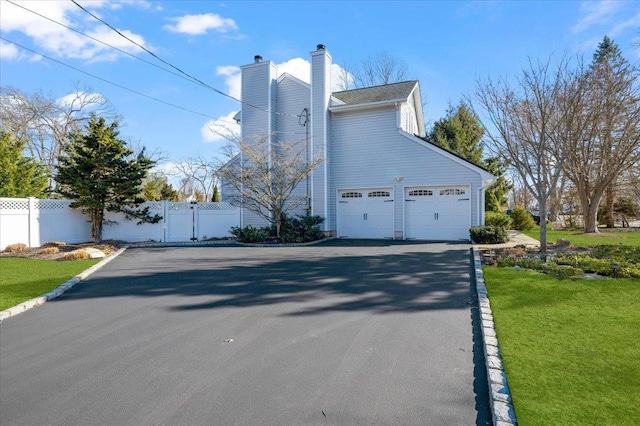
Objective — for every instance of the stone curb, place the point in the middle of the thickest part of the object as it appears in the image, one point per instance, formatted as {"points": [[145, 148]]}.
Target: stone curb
{"points": [[502, 411], [37, 301]]}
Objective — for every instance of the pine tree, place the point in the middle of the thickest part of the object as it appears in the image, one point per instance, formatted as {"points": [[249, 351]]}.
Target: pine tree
{"points": [[216, 194], [459, 132], [20, 176], [100, 173]]}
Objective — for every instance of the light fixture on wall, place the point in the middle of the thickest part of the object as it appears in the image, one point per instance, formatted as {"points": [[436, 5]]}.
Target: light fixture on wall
{"points": [[398, 179]]}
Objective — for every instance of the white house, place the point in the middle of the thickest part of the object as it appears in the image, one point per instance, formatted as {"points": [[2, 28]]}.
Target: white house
{"points": [[379, 177]]}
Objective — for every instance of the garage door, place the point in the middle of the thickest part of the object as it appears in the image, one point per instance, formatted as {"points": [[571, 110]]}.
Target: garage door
{"points": [[365, 213], [437, 213]]}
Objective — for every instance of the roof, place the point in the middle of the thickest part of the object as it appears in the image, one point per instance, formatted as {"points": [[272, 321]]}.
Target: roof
{"points": [[425, 139], [387, 92]]}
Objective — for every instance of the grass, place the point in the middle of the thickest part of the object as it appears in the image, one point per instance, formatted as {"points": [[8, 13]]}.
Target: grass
{"points": [[579, 238], [571, 348], [22, 279]]}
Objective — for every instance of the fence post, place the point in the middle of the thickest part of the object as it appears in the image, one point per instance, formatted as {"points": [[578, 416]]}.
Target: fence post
{"points": [[165, 221], [34, 230]]}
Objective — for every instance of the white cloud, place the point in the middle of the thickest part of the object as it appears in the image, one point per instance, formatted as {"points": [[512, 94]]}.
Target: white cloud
{"points": [[51, 38], [232, 78], [595, 13], [224, 128], [8, 51], [200, 24]]}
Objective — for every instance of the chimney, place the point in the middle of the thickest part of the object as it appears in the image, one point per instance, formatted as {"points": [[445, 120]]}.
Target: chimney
{"points": [[257, 58], [320, 96]]}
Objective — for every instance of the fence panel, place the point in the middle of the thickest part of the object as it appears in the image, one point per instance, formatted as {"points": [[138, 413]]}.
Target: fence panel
{"points": [[35, 222], [58, 222], [14, 221], [128, 229], [214, 220], [180, 221]]}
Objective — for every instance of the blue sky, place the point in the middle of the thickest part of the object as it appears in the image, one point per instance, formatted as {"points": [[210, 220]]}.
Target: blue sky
{"points": [[445, 45]]}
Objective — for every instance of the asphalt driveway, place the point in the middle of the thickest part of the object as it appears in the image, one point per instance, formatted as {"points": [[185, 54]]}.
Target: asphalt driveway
{"points": [[342, 333]]}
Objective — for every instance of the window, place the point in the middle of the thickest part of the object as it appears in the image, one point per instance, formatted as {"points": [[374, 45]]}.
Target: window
{"points": [[351, 195], [420, 193], [452, 191], [379, 194]]}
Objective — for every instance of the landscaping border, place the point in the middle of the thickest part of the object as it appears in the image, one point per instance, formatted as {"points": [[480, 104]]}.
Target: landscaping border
{"points": [[502, 411], [41, 300]]}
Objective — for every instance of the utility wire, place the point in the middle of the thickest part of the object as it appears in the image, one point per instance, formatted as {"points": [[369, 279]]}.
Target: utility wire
{"points": [[105, 44], [108, 81], [175, 67]]}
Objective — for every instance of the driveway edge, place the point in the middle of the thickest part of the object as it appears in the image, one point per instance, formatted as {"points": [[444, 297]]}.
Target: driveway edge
{"points": [[502, 411], [41, 300]]}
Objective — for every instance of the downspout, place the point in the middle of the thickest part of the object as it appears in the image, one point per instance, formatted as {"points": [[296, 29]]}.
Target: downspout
{"points": [[485, 184]]}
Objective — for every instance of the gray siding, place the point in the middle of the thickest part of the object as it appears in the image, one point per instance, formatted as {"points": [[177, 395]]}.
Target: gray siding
{"points": [[258, 89], [368, 151], [292, 98], [320, 96]]}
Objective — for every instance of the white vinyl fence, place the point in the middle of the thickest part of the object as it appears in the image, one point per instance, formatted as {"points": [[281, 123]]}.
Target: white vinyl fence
{"points": [[34, 222]]}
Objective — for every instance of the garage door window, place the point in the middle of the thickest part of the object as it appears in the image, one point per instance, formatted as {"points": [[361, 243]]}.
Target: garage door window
{"points": [[379, 194], [352, 195], [452, 191], [420, 193]]}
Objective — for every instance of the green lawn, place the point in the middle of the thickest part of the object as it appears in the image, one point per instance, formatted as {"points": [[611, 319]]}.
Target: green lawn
{"points": [[578, 238], [22, 279], [571, 349]]}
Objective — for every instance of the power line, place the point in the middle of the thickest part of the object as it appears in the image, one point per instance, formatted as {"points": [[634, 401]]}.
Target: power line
{"points": [[175, 67], [102, 42], [108, 81]]}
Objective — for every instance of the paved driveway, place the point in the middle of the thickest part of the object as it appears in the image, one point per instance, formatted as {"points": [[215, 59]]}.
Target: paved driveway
{"points": [[342, 333]]}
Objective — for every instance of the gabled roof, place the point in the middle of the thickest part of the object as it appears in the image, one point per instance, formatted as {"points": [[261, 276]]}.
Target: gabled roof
{"points": [[387, 92]]}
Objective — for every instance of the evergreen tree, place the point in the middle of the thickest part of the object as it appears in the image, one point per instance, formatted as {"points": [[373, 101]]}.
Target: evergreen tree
{"points": [[100, 173], [606, 56], [20, 176], [460, 132], [216, 194], [157, 188]]}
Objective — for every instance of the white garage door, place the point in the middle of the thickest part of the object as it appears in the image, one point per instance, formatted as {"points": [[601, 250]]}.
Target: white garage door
{"points": [[365, 213], [437, 213]]}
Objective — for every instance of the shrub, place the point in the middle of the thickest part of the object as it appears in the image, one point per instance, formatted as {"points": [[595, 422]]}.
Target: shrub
{"points": [[250, 234], [522, 220], [54, 244], [488, 234], [15, 248], [76, 254], [50, 250], [497, 219], [300, 229]]}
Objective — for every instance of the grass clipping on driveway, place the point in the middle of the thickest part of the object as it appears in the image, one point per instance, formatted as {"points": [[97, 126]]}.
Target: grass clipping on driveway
{"points": [[22, 279], [571, 348]]}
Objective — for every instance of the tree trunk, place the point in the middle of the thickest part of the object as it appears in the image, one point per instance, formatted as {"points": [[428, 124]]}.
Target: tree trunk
{"points": [[97, 217], [609, 197], [591, 218], [543, 226]]}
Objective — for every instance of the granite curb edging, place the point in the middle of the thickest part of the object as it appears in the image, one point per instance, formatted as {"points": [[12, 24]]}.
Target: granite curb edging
{"points": [[41, 300], [502, 411]]}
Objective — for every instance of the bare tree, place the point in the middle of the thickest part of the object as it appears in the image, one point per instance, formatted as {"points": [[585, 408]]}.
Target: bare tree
{"points": [[45, 123], [262, 177], [602, 139], [382, 68], [525, 118], [197, 176]]}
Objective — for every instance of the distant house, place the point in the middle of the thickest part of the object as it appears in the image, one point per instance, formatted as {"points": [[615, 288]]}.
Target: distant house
{"points": [[379, 177]]}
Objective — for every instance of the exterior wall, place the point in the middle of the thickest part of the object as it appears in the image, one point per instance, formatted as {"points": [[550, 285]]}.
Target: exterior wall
{"points": [[408, 120], [292, 97], [360, 153], [320, 132], [258, 121]]}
